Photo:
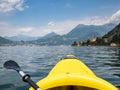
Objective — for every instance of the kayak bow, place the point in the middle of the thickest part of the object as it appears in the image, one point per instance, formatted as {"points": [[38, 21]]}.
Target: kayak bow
{"points": [[71, 73]]}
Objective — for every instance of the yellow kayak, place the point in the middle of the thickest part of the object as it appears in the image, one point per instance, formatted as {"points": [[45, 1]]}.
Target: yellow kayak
{"points": [[71, 73]]}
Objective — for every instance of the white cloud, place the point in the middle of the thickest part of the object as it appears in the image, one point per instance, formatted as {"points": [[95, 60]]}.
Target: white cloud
{"points": [[66, 26], [61, 27], [115, 18], [6, 29], [25, 29], [10, 5], [51, 23], [96, 20], [3, 24]]}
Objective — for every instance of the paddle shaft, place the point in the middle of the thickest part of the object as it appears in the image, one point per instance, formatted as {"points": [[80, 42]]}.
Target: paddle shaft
{"points": [[26, 78]]}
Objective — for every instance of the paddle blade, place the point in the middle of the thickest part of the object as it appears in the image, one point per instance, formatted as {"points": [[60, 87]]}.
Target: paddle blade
{"points": [[12, 65]]}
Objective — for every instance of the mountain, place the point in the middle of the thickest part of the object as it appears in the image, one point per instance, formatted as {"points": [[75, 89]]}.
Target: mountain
{"points": [[49, 35], [21, 38], [79, 33], [28, 38], [84, 32], [114, 35], [4, 41], [90, 31]]}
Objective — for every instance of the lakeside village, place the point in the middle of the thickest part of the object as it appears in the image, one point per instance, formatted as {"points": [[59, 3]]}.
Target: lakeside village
{"points": [[96, 42]]}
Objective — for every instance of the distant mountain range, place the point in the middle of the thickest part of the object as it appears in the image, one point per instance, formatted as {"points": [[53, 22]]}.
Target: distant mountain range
{"points": [[20, 38], [79, 33], [28, 38]]}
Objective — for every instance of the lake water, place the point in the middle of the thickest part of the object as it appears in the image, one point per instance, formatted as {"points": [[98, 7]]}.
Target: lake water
{"points": [[39, 60]]}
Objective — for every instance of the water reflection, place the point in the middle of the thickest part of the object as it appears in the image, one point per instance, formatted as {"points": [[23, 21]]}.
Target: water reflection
{"points": [[7, 86], [13, 87], [114, 60]]}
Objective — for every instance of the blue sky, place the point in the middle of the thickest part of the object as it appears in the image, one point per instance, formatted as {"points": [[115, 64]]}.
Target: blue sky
{"points": [[39, 17]]}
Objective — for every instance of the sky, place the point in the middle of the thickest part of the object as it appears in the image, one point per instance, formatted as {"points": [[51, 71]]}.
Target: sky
{"points": [[39, 17]]}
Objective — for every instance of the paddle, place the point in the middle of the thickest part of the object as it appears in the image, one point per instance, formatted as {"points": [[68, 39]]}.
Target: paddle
{"points": [[26, 78]]}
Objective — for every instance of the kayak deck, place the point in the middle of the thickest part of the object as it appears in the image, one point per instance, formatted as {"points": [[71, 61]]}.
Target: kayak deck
{"points": [[72, 74]]}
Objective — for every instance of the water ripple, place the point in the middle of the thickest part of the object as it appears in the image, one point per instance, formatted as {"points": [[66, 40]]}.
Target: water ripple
{"points": [[39, 60]]}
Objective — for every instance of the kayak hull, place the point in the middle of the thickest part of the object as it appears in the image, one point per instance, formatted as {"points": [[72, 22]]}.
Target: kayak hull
{"points": [[72, 74]]}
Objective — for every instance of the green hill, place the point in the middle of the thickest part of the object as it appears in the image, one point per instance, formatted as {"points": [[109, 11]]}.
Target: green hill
{"points": [[4, 41], [114, 35]]}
